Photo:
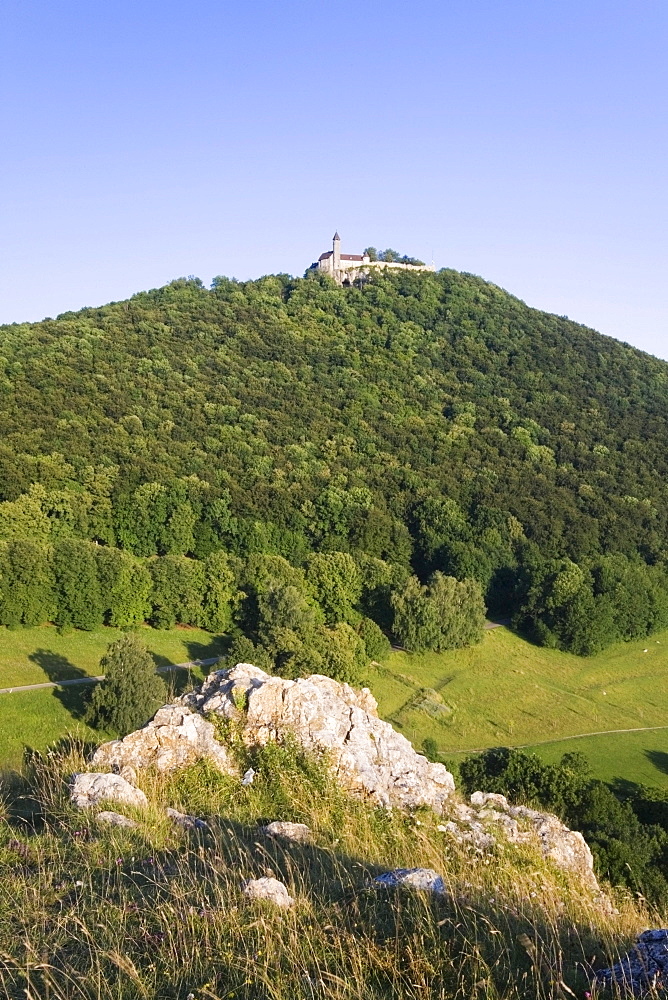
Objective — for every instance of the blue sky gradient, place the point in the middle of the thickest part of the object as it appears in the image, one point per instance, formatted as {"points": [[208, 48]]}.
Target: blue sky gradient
{"points": [[522, 141]]}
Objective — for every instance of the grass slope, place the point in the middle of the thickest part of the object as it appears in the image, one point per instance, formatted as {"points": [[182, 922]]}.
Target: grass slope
{"points": [[32, 656], [509, 692], [158, 911]]}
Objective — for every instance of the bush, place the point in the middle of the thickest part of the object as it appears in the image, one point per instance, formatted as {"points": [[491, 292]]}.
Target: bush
{"points": [[376, 643], [131, 691]]}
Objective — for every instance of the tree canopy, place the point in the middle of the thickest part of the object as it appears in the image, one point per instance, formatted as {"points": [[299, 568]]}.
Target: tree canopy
{"points": [[428, 421]]}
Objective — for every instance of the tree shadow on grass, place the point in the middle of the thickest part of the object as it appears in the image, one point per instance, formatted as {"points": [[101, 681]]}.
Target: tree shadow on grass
{"points": [[216, 646], [55, 666], [659, 758], [75, 699]]}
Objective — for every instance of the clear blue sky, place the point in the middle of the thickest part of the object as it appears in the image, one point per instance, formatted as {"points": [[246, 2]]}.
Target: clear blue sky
{"points": [[522, 141]]}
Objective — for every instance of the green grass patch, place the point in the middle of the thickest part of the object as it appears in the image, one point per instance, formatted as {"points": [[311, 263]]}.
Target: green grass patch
{"points": [[636, 757], [39, 718], [508, 692], [34, 655]]}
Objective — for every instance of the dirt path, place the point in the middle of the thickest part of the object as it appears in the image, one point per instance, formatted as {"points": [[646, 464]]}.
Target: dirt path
{"points": [[92, 680], [562, 739]]}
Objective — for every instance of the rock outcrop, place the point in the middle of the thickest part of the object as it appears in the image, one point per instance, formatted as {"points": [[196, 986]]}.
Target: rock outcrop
{"points": [[174, 738], [91, 788], [490, 813], [643, 971], [368, 756]]}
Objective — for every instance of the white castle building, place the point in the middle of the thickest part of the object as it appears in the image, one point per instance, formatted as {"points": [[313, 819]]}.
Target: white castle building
{"points": [[345, 268]]}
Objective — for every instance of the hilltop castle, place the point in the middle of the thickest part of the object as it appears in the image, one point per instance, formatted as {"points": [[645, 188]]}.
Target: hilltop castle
{"points": [[345, 268]]}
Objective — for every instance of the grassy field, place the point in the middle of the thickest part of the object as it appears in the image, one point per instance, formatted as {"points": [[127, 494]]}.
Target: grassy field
{"points": [[508, 692], [503, 692], [32, 656], [640, 757]]}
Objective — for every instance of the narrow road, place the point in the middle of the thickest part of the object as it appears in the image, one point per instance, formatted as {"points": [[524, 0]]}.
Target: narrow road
{"points": [[563, 739], [93, 680], [499, 623]]}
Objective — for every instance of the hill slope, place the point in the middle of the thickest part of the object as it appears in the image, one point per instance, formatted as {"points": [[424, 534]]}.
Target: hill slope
{"points": [[427, 418]]}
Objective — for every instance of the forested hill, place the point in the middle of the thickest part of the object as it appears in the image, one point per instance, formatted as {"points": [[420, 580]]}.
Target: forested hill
{"points": [[429, 420]]}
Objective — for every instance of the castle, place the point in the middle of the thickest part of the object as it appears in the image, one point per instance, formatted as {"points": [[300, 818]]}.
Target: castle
{"points": [[345, 268]]}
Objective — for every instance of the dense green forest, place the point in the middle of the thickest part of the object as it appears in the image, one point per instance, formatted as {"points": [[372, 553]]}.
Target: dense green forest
{"points": [[420, 430]]}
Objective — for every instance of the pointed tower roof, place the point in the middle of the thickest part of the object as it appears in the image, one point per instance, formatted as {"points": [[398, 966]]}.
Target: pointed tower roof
{"points": [[337, 237]]}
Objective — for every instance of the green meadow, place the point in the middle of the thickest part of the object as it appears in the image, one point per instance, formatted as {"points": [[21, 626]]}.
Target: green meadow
{"points": [[35, 655], [503, 692], [511, 693]]}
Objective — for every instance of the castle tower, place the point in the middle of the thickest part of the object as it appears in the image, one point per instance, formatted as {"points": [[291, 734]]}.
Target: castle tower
{"points": [[336, 256]]}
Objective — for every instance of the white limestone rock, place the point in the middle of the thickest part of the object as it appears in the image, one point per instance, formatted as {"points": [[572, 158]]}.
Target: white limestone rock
{"points": [[300, 833], [368, 756], [566, 848], [174, 738], [92, 788], [644, 969], [413, 878], [269, 889], [115, 819]]}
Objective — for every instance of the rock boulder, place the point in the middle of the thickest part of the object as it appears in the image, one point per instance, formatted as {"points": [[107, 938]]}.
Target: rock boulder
{"points": [[91, 788], [367, 755], [643, 971], [174, 738], [269, 889]]}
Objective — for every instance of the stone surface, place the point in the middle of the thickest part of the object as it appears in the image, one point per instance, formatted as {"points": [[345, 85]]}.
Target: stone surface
{"points": [[299, 832], [269, 889], [92, 788], [490, 814], [174, 738], [115, 819], [186, 821], [644, 970], [368, 756], [414, 878]]}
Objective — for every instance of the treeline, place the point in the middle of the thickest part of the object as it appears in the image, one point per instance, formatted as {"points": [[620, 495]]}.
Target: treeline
{"points": [[626, 829], [322, 617], [431, 421]]}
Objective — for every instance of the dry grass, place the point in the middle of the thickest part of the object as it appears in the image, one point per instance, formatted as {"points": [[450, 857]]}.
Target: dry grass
{"points": [[158, 912]]}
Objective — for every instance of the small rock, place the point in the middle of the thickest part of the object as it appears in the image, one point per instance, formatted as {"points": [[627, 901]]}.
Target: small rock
{"points": [[90, 788], [482, 798], [115, 819], [270, 889], [128, 772], [643, 969], [248, 777], [186, 821], [414, 878], [298, 832]]}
